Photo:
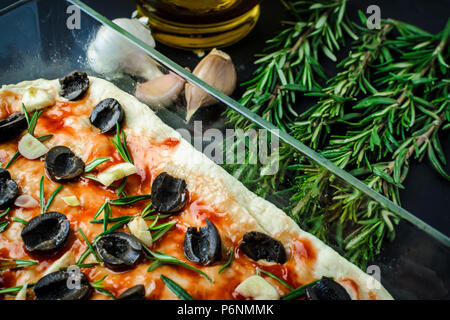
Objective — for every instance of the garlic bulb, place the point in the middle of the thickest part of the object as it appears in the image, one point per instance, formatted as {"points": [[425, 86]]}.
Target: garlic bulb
{"points": [[160, 92], [216, 69], [113, 54]]}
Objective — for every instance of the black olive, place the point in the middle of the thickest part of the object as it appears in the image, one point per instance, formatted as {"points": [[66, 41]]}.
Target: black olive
{"points": [[119, 250], [8, 189], [106, 115], [204, 246], [59, 286], [169, 194], [46, 233], [134, 293], [63, 165], [327, 289], [12, 126], [74, 85], [257, 245]]}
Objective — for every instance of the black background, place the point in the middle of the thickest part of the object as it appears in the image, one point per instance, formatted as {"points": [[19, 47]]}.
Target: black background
{"points": [[427, 193]]}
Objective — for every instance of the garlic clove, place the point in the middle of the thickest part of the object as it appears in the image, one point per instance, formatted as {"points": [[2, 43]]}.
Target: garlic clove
{"points": [[22, 294], [257, 288], [216, 69], [26, 201], [66, 260], [116, 172], [138, 228], [31, 148], [160, 92], [37, 99]]}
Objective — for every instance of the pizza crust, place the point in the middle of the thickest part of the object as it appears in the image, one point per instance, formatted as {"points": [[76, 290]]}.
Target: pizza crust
{"points": [[215, 186]]}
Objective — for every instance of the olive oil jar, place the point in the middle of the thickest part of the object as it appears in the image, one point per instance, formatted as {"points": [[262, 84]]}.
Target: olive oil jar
{"points": [[199, 24]]}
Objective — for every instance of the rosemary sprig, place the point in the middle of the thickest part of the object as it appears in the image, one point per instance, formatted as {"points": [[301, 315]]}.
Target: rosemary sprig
{"points": [[11, 264], [176, 289], [45, 206], [296, 293], [119, 142], [162, 258], [24, 222], [159, 234], [129, 200], [228, 263], [314, 124], [100, 287], [95, 163], [284, 283], [290, 64], [4, 213], [89, 250]]}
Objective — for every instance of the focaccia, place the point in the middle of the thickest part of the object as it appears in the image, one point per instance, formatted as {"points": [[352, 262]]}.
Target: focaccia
{"points": [[213, 197]]}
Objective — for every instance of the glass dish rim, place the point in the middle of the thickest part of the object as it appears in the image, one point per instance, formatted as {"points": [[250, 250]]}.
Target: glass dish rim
{"points": [[256, 119]]}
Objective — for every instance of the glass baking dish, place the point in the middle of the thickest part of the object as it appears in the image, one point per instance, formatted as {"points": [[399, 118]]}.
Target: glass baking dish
{"points": [[39, 41]]}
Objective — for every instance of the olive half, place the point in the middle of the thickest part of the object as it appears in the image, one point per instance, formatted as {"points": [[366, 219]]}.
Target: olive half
{"points": [[12, 126], [119, 250], [203, 246], [169, 194], [106, 115], [134, 293], [74, 85], [46, 232], [327, 289], [63, 165], [257, 245], [62, 285], [8, 189]]}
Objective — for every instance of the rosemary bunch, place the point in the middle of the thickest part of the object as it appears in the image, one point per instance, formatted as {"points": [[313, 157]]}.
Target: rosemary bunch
{"points": [[312, 126], [387, 128], [290, 63]]}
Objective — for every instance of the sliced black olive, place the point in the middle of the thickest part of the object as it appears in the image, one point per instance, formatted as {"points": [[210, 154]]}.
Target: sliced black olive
{"points": [[119, 250], [74, 85], [8, 189], [63, 165], [169, 194], [257, 245], [134, 293], [62, 285], [12, 126], [106, 115], [327, 289], [203, 246], [46, 233]]}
